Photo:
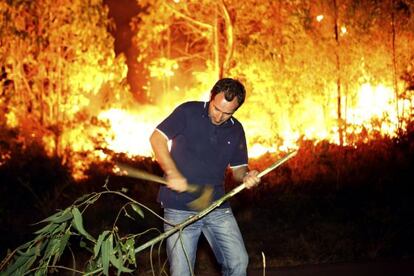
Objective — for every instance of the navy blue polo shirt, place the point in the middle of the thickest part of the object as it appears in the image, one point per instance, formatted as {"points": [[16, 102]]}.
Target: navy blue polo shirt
{"points": [[201, 150]]}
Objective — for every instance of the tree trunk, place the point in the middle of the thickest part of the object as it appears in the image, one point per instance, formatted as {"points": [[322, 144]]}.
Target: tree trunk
{"points": [[229, 39], [217, 66], [394, 62], [338, 80]]}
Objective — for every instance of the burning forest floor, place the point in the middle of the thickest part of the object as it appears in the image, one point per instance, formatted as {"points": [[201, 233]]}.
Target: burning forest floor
{"points": [[329, 205]]}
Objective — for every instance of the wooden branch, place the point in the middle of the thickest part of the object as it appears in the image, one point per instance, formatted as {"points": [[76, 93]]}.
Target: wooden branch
{"points": [[213, 206], [230, 38], [188, 18]]}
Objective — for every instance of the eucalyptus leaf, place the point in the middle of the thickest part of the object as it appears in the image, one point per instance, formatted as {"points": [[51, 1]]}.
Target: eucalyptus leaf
{"points": [[64, 217], [59, 229], [78, 223], [63, 242], [130, 249], [58, 217], [22, 269], [98, 244], [29, 252], [50, 218], [52, 248], [137, 209], [47, 229], [21, 260], [105, 253], [118, 264]]}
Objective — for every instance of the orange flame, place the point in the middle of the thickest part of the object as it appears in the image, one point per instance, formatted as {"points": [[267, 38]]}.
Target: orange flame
{"points": [[130, 130]]}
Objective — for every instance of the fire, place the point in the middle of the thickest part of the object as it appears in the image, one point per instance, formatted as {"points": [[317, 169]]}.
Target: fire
{"points": [[4, 157], [373, 102], [127, 130], [76, 101], [11, 119], [376, 103], [130, 129]]}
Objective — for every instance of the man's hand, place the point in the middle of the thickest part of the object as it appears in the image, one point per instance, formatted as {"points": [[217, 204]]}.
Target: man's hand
{"points": [[176, 181], [251, 179]]}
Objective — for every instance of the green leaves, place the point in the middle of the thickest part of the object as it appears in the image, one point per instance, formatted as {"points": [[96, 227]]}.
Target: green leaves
{"points": [[22, 263], [98, 244], [109, 252], [137, 210], [129, 248], [50, 242], [111, 255], [78, 223], [105, 254], [59, 217]]}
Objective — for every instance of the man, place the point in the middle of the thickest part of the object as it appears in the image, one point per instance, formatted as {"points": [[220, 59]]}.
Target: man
{"points": [[206, 139]]}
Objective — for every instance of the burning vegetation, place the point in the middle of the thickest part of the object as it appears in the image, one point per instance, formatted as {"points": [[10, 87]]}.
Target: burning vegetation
{"points": [[314, 71]]}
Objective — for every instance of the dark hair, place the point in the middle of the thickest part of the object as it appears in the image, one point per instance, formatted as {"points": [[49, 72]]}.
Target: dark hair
{"points": [[231, 88]]}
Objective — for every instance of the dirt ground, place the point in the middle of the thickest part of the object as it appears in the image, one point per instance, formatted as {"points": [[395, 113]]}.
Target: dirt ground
{"points": [[386, 268], [398, 268], [206, 266]]}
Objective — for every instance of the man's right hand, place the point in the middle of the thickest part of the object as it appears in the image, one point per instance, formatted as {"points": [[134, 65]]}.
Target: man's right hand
{"points": [[176, 181]]}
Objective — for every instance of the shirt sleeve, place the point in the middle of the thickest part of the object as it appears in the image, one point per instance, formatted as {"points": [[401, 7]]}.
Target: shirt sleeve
{"points": [[174, 123], [240, 157]]}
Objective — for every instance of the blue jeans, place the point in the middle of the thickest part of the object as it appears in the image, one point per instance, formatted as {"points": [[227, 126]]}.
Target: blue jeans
{"points": [[222, 233]]}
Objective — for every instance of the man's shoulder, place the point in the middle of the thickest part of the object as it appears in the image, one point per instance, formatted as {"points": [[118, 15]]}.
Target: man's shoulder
{"points": [[236, 123]]}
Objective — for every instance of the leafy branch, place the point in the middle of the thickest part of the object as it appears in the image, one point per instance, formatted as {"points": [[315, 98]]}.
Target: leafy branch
{"points": [[42, 254]]}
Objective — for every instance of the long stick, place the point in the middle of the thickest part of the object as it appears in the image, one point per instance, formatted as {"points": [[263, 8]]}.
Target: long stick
{"points": [[214, 205], [137, 173]]}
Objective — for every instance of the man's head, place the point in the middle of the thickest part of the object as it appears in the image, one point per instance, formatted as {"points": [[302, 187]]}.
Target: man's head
{"points": [[231, 88], [227, 95]]}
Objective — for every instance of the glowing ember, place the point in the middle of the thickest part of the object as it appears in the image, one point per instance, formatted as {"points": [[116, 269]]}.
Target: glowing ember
{"points": [[11, 120], [4, 157]]}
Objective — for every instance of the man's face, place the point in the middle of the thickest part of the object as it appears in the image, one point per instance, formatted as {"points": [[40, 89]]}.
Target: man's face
{"points": [[220, 110]]}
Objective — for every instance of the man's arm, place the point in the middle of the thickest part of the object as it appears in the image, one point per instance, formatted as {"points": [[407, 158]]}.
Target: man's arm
{"points": [[241, 174], [175, 179]]}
